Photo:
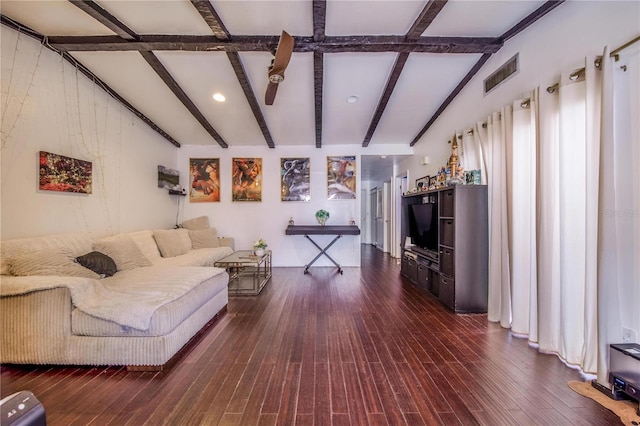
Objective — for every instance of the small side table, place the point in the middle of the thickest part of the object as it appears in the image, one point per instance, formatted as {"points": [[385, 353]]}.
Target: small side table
{"points": [[248, 273]]}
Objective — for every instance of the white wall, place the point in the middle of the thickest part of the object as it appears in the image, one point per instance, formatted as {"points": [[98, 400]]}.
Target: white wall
{"points": [[248, 221], [557, 42], [47, 106]]}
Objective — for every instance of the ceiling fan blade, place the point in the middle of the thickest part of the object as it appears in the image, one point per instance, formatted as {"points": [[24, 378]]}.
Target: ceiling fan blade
{"points": [[270, 95], [283, 54]]}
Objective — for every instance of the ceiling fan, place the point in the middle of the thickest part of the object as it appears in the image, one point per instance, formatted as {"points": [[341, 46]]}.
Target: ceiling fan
{"points": [[278, 65]]}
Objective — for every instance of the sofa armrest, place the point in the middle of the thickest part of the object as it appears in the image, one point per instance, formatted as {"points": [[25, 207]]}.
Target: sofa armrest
{"points": [[226, 242]]}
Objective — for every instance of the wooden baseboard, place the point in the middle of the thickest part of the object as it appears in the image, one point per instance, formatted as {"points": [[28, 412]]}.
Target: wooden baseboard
{"points": [[186, 348]]}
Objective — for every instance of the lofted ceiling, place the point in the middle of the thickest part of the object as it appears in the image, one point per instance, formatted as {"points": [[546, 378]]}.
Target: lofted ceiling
{"points": [[404, 60]]}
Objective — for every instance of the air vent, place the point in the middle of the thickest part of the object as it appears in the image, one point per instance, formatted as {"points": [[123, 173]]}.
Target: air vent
{"points": [[501, 74]]}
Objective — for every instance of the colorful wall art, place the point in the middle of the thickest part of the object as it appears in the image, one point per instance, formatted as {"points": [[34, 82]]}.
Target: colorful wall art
{"points": [[65, 174], [246, 179], [204, 174], [295, 179], [341, 177]]}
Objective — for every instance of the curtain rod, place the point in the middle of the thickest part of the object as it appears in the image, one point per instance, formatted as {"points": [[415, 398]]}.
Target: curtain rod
{"points": [[579, 73], [615, 52]]}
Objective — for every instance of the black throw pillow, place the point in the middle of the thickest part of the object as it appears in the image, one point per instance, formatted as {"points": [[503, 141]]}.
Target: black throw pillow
{"points": [[99, 263]]}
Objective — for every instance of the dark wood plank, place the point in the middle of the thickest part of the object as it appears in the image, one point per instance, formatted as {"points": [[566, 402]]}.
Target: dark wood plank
{"points": [[173, 85], [267, 43], [241, 74], [366, 347], [426, 17], [211, 17], [92, 9]]}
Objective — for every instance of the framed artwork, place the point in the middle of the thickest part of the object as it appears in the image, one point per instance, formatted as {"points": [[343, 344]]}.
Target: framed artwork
{"points": [[341, 178], [295, 179], [204, 178], [433, 181], [168, 178], [64, 174], [246, 179], [422, 184], [472, 177]]}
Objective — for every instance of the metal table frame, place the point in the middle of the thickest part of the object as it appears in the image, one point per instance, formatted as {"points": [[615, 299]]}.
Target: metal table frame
{"points": [[338, 231], [243, 265]]}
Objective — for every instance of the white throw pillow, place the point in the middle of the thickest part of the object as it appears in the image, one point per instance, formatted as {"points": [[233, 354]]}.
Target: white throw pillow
{"points": [[201, 222], [172, 242], [124, 252], [204, 238], [53, 262]]}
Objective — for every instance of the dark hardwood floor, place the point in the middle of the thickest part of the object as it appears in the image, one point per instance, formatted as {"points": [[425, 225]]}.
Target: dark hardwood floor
{"points": [[363, 348]]}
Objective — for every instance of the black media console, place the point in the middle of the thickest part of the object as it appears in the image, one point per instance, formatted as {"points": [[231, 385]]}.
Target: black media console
{"points": [[449, 254]]}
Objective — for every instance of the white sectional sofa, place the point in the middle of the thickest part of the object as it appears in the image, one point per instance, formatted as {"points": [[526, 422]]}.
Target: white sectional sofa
{"points": [[55, 311]]}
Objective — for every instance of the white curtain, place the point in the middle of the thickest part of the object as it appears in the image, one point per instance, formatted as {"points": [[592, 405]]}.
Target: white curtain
{"points": [[564, 217], [494, 137], [619, 204], [567, 238], [523, 217]]}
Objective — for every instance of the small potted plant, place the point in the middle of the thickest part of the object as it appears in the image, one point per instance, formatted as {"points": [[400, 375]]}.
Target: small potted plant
{"points": [[259, 246], [322, 215]]}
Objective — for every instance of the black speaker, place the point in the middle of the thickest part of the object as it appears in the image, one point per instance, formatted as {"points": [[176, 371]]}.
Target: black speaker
{"points": [[22, 409]]}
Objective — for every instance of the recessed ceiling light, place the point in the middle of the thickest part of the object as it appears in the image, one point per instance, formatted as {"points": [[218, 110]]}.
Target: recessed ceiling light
{"points": [[352, 99], [219, 97]]}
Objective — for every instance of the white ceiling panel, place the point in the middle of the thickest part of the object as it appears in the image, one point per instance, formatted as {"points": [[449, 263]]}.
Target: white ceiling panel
{"points": [[158, 17], [201, 74], [130, 75], [480, 18], [426, 81], [291, 118], [371, 18], [355, 30], [266, 17], [361, 74], [53, 17]]}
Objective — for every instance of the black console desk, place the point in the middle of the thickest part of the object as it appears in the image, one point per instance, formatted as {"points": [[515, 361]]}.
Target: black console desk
{"points": [[337, 230]]}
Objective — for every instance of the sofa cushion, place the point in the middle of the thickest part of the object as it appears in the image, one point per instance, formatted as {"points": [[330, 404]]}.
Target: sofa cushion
{"points": [[172, 243], [204, 238], [197, 257], [164, 319], [145, 241], [48, 262], [99, 263], [75, 244], [124, 252], [201, 222]]}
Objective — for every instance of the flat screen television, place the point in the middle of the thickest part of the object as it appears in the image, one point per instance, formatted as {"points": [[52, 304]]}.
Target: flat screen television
{"points": [[423, 226]]}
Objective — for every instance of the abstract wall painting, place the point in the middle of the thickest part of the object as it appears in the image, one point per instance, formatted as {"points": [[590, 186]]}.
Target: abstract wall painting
{"points": [[204, 178], [246, 179], [295, 179], [341, 177], [64, 174]]}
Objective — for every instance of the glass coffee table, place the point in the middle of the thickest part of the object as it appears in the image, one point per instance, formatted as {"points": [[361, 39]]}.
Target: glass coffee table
{"points": [[248, 273]]}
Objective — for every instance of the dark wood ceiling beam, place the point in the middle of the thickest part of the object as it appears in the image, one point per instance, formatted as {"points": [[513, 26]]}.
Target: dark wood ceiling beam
{"points": [[92, 9], [530, 19], [516, 29], [210, 16], [318, 84], [426, 17], [162, 72], [238, 68], [22, 29], [452, 96], [401, 60], [319, 19], [319, 25], [111, 22], [337, 44]]}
